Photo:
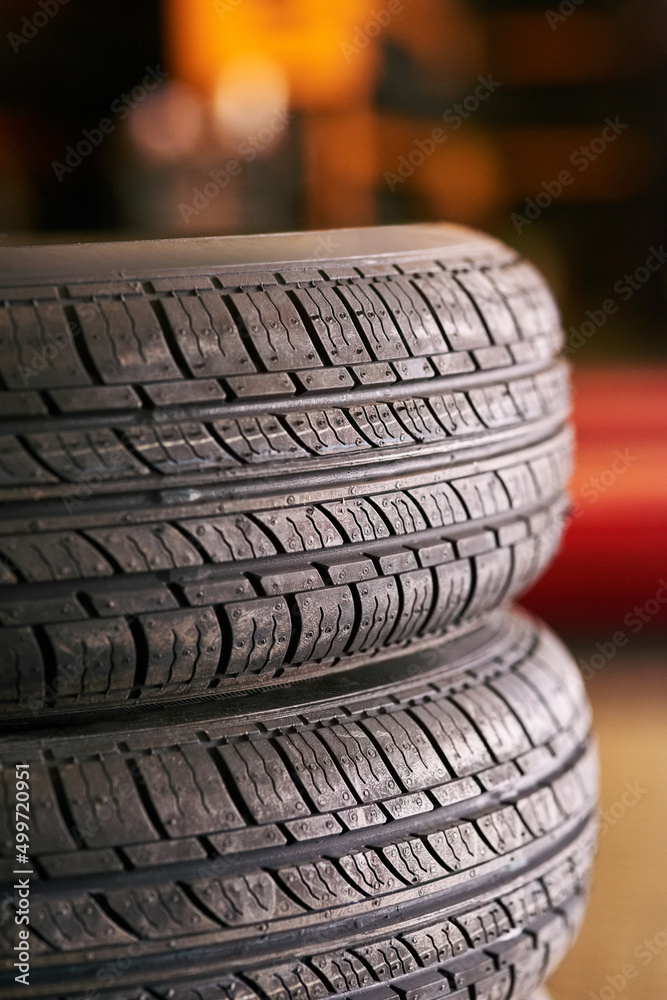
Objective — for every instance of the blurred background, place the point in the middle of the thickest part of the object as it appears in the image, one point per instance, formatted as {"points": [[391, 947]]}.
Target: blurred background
{"points": [[545, 125]]}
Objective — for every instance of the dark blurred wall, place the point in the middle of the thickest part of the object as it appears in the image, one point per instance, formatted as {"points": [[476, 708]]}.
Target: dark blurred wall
{"points": [[57, 79]]}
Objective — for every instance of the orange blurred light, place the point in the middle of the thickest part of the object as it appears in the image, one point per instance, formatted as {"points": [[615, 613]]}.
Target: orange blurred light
{"points": [[304, 40]]}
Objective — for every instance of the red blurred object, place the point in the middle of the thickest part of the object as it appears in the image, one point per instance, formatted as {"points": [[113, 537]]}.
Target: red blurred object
{"points": [[611, 571]]}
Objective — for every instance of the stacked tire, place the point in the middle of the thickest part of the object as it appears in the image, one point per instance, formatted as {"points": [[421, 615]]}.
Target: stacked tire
{"points": [[265, 502]]}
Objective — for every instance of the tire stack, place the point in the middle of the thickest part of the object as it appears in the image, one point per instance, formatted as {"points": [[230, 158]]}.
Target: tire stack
{"points": [[265, 501]]}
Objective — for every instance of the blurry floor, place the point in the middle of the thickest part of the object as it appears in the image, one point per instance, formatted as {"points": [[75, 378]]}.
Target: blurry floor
{"points": [[622, 948]]}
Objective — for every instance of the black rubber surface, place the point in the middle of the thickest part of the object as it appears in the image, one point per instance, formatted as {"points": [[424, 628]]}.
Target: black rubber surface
{"points": [[416, 828], [225, 461]]}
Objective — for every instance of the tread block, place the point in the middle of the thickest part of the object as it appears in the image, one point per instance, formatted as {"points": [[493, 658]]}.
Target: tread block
{"points": [[400, 511], [418, 419], [495, 405], [263, 780], [504, 831], [499, 727], [368, 872], [333, 325], [260, 632], [262, 384], [229, 538], [417, 593], [326, 432], [22, 404], [519, 485], [379, 608], [48, 829], [358, 519], [321, 379], [105, 804], [98, 397], [551, 388], [81, 863], [527, 705], [364, 769], [37, 347], [187, 791], [75, 924], [455, 413], [413, 758], [459, 847], [125, 340], [388, 958], [316, 770], [181, 393], [92, 657], [374, 320], [344, 971], [485, 924], [61, 555], [378, 424], [176, 449], [525, 565], [437, 942], [285, 583], [38, 612], [457, 317], [440, 503], [295, 980], [159, 912], [374, 374], [492, 576], [318, 885], [183, 647], [540, 812], [280, 340], [144, 548], [326, 620], [536, 397], [527, 296], [483, 494], [258, 439], [239, 901], [413, 862], [454, 735], [207, 335], [497, 316], [77, 456], [526, 903], [18, 466], [453, 582], [300, 529], [129, 601], [21, 666], [170, 851], [413, 317]]}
